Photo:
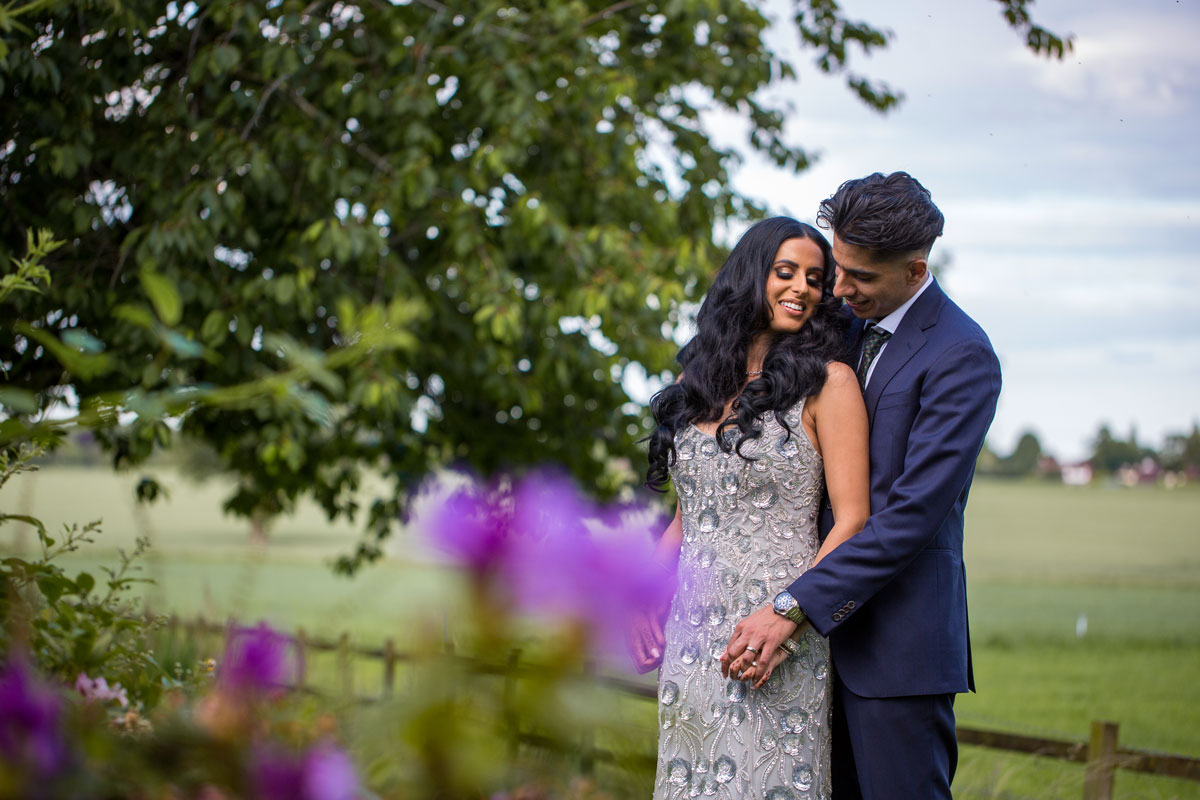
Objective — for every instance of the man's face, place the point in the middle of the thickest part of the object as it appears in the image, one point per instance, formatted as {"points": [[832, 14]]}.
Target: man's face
{"points": [[874, 289]]}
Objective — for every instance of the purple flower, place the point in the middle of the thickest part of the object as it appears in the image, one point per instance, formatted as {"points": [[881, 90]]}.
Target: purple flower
{"points": [[324, 773], [30, 721], [546, 568], [259, 659], [99, 689], [593, 564], [472, 527], [554, 552]]}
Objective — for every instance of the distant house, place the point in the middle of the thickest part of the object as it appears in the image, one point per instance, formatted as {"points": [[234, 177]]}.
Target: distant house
{"points": [[1079, 474], [1175, 478], [1143, 472], [1048, 468]]}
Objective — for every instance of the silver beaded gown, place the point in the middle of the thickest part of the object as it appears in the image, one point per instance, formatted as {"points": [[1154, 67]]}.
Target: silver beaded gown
{"points": [[749, 529]]}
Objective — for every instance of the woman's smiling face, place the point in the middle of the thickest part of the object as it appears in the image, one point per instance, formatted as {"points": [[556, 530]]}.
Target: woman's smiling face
{"points": [[794, 284]]}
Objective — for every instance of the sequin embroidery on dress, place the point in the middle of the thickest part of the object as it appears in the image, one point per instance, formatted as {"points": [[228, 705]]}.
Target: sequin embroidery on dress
{"points": [[749, 529]]}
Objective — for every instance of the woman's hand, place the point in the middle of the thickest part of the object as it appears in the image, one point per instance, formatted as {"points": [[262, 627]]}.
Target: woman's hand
{"points": [[646, 640], [758, 669], [758, 634], [748, 664]]}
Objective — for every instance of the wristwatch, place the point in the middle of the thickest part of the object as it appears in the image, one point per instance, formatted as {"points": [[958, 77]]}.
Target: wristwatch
{"points": [[786, 606]]}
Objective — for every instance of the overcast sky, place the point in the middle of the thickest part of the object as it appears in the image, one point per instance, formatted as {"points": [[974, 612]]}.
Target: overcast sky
{"points": [[1071, 192]]}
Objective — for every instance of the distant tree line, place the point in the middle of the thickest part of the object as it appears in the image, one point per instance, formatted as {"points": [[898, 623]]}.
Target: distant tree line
{"points": [[1180, 452]]}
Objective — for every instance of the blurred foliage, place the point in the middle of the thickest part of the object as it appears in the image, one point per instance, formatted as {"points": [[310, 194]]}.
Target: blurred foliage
{"points": [[1181, 451], [331, 237], [1022, 462], [76, 624], [1110, 452], [86, 710]]}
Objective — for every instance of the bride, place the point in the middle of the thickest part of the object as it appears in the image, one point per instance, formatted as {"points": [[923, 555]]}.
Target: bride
{"points": [[763, 422]]}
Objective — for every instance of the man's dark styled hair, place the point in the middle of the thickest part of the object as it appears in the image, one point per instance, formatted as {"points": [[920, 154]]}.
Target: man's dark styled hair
{"points": [[886, 214]]}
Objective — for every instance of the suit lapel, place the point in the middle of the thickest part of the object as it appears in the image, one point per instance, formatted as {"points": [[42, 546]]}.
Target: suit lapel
{"points": [[905, 343]]}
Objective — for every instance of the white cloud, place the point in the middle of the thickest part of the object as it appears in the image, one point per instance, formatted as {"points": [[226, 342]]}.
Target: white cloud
{"points": [[1071, 192], [1139, 63]]}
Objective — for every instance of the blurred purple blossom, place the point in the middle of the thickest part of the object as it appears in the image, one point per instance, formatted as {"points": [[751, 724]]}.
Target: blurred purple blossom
{"points": [[98, 689], [325, 772], [30, 720], [472, 526], [557, 553], [259, 659]]}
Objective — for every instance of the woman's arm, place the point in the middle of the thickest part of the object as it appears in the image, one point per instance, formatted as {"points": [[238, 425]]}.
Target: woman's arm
{"points": [[840, 420], [667, 551], [646, 638], [836, 423]]}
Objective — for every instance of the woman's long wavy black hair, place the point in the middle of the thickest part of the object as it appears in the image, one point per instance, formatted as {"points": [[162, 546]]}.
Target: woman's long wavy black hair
{"points": [[714, 361]]}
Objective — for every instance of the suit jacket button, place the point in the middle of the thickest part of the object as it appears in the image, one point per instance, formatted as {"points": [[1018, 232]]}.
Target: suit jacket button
{"points": [[850, 604], [837, 616]]}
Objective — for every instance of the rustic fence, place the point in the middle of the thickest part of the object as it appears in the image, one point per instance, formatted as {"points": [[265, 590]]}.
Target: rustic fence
{"points": [[1101, 755]]}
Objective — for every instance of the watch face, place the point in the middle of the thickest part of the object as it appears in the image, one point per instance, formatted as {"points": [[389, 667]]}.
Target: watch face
{"points": [[784, 603]]}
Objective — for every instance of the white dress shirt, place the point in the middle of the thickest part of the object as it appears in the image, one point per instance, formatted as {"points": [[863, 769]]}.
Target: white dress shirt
{"points": [[892, 321]]}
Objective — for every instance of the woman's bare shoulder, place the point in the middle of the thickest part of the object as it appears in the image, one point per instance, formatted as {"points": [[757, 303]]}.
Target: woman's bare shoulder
{"points": [[839, 375]]}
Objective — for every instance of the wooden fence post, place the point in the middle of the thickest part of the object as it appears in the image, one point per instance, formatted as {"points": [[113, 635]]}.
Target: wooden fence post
{"points": [[389, 667], [587, 739], [511, 719], [301, 658], [1101, 761], [344, 664]]}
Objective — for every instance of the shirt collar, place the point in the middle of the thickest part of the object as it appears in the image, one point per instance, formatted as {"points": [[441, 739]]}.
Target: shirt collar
{"points": [[892, 321]]}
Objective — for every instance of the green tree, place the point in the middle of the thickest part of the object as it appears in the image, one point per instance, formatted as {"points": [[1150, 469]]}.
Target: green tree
{"points": [[1182, 451], [1023, 460], [1110, 453], [246, 187]]}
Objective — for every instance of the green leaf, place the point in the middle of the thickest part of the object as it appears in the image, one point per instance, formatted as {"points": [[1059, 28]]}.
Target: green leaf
{"points": [[215, 327], [20, 401], [82, 365], [135, 315], [83, 341], [53, 586], [163, 295], [34, 521], [149, 490], [181, 345], [84, 583]]}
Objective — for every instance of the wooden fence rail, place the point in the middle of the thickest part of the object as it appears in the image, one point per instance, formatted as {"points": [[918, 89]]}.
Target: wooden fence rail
{"points": [[1101, 755]]}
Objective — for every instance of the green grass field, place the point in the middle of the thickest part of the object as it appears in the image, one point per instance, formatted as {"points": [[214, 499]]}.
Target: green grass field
{"points": [[1038, 558]]}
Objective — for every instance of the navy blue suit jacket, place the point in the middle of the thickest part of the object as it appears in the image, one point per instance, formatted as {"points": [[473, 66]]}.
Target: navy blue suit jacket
{"points": [[893, 599]]}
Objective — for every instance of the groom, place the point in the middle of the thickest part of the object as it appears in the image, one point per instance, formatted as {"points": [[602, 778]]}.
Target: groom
{"points": [[892, 599]]}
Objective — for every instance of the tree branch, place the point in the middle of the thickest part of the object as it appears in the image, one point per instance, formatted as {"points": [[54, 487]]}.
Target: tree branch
{"points": [[270, 90], [314, 113], [615, 8]]}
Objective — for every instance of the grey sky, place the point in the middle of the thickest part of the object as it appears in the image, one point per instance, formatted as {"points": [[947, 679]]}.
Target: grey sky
{"points": [[1071, 192]]}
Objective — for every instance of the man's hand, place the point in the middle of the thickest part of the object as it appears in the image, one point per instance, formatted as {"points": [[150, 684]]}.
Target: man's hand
{"points": [[646, 640], [764, 630]]}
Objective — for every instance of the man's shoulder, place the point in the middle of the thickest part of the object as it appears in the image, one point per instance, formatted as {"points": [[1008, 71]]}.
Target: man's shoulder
{"points": [[955, 326]]}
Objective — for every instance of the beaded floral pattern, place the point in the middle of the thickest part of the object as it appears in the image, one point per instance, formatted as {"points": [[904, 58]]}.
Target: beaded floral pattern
{"points": [[749, 529]]}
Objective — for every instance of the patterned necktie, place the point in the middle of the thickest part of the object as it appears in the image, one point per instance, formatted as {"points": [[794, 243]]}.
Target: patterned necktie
{"points": [[875, 340]]}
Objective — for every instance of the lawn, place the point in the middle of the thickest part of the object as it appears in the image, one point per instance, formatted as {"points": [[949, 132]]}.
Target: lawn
{"points": [[1042, 560]]}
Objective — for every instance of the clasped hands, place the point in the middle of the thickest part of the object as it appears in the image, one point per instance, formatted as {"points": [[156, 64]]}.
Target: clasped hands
{"points": [[761, 632]]}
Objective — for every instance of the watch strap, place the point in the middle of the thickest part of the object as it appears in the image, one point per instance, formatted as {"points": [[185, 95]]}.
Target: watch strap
{"points": [[796, 615]]}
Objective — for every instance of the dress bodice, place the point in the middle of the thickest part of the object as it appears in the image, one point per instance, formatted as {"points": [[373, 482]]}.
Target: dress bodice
{"points": [[749, 529]]}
